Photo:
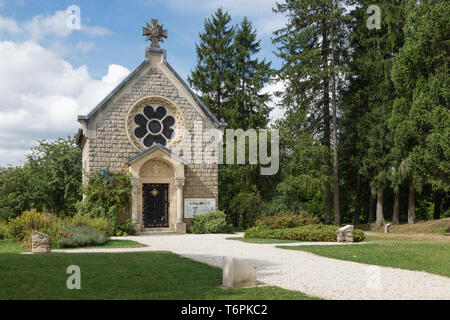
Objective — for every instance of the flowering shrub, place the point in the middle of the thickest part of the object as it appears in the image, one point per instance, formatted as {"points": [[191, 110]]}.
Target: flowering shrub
{"points": [[81, 236], [288, 219], [21, 227], [100, 223]]}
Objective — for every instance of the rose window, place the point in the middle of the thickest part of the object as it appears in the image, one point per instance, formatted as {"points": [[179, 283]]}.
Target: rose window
{"points": [[154, 126]]}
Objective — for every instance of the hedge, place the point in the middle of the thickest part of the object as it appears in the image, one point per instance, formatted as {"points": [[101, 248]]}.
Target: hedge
{"points": [[320, 233]]}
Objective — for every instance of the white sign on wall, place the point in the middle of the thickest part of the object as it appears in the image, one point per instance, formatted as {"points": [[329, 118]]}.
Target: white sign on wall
{"points": [[196, 206]]}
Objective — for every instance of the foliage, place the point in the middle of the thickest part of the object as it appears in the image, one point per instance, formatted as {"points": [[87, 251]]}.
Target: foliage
{"points": [[3, 230], [246, 206], [21, 227], [48, 181], [317, 232], [100, 223], [81, 236], [124, 229], [288, 220], [107, 195], [213, 79], [210, 222]]}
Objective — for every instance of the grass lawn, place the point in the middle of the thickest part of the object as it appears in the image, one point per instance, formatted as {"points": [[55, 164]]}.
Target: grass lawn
{"points": [[429, 255], [262, 241], [133, 275], [8, 246]]}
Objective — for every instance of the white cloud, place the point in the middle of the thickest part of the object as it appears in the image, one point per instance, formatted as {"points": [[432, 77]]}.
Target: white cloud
{"points": [[42, 94], [44, 26], [9, 25]]}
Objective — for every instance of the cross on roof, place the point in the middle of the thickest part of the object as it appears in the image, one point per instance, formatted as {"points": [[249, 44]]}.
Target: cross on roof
{"points": [[154, 33]]}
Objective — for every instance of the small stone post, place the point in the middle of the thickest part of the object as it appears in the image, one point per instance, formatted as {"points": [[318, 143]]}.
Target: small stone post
{"points": [[345, 234], [238, 274], [387, 227], [40, 242]]}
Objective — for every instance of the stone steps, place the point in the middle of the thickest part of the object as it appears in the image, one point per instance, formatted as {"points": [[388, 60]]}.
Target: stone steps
{"points": [[156, 231]]}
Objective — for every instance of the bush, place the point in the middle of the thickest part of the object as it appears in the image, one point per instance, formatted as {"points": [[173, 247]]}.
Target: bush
{"points": [[211, 222], [3, 230], [124, 229], [318, 232], [21, 227], [288, 220], [100, 223], [107, 195], [358, 235], [81, 236]]}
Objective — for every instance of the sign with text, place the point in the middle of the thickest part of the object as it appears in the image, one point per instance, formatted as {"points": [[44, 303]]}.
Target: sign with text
{"points": [[195, 206]]}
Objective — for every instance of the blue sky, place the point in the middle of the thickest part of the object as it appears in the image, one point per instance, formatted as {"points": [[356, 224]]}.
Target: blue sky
{"points": [[125, 46], [49, 73]]}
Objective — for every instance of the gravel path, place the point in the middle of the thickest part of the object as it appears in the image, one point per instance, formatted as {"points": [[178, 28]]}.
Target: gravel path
{"points": [[301, 271]]}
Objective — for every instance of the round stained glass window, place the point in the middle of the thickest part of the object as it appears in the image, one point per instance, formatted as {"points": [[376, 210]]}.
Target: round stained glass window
{"points": [[154, 125]]}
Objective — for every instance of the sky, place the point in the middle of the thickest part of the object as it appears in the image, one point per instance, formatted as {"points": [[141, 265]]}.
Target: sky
{"points": [[51, 71]]}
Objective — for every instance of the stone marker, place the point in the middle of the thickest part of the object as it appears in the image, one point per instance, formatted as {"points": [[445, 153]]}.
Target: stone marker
{"points": [[40, 242], [386, 228], [345, 234], [238, 274]]}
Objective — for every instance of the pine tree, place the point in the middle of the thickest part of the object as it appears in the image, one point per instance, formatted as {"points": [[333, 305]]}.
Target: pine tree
{"points": [[311, 48], [420, 119], [249, 107], [371, 93], [212, 76]]}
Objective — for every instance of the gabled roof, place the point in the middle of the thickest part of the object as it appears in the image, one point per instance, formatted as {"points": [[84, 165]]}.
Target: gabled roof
{"points": [[139, 68], [153, 148]]}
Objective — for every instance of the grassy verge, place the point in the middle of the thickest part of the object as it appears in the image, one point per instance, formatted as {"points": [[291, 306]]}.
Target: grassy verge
{"points": [[8, 246], [132, 275], [405, 253], [262, 241]]}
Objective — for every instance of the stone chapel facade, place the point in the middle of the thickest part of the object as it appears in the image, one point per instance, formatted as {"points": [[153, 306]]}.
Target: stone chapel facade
{"points": [[149, 125]]}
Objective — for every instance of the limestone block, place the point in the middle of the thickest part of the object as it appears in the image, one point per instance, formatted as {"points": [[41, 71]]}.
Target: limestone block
{"points": [[180, 228], [387, 227], [40, 242], [238, 274], [345, 234]]}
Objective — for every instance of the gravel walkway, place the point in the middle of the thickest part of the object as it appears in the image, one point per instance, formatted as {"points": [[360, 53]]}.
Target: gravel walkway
{"points": [[301, 271]]}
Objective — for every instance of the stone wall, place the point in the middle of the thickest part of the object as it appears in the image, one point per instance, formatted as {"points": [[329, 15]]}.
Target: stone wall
{"points": [[109, 145]]}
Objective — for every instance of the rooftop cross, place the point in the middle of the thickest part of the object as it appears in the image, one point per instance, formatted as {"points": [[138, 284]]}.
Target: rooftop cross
{"points": [[154, 33]]}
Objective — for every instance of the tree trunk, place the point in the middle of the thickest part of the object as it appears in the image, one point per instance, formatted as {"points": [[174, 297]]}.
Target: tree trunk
{"points": [[327, 203], [412, 203], [396, 213], [337, 216], [357, 200], [380, 215], [373, 195], [326, 112], [437, 205]]}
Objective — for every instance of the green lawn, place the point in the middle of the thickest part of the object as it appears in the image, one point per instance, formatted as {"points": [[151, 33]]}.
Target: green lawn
{"points": [[136, 275], [262, 241], [419, 255], [8, 246]]}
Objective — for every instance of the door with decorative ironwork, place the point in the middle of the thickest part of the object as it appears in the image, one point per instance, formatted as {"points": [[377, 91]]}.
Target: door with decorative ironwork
{"points": [[156, 205]]}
